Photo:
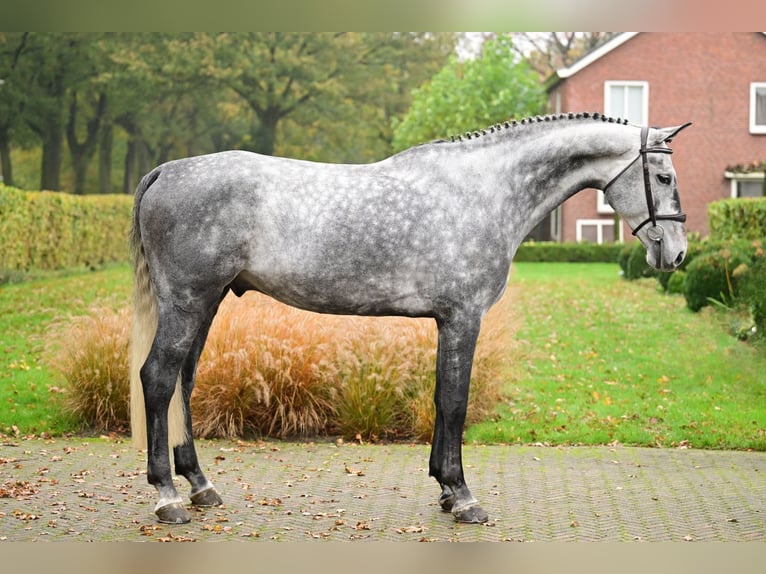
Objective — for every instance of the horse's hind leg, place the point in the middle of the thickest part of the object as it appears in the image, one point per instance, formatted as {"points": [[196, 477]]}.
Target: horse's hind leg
{"points": [[177, 330], [457, 343], [203, 492]]}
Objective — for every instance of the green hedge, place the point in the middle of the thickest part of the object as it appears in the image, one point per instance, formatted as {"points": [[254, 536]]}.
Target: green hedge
{"points": [[41, 230], [742, 218], [551, 252]]}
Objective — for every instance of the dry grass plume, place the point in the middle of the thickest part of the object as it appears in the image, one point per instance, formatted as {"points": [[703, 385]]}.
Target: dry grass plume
{"points": [[273, 370]]}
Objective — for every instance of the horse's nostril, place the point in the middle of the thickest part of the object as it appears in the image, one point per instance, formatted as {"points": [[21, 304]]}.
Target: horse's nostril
{"points": [[680, 258]]}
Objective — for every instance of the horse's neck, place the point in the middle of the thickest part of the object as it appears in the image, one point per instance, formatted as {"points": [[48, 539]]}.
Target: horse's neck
{"points": [[548, 163]]}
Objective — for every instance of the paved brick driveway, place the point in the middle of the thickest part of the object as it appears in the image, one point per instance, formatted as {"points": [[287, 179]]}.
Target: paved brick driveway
{"points": [[85, 489]]}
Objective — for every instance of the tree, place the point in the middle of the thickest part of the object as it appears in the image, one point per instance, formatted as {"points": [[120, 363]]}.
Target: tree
{"points": [[356, 126], [471, 94], [48, 65], [159, 96], [12, 98], [43, 75], [547, 52], [274, 73], [305, 77], [161, 103], [88, 98]]}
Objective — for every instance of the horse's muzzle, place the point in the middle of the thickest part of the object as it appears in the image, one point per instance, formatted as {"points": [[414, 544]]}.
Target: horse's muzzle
{"points": [[659, 256]]}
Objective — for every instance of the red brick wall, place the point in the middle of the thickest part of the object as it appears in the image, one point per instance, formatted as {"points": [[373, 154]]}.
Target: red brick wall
{"points": [[700, 77]]}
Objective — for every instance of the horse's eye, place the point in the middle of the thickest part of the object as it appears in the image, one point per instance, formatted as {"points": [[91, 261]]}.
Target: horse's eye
{"points": [[664, 179]]}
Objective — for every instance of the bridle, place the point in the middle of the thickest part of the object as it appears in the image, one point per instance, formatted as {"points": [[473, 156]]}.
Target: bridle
{"points": [[654, 233]]}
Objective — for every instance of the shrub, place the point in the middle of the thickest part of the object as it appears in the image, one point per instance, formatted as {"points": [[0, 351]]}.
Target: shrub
{"points": [[712, 275], [553, 252], [693, 249], [632, 260], [53, 230], [741, 218], [622, 257], [676, 282], [273, 370], [753, 293]]}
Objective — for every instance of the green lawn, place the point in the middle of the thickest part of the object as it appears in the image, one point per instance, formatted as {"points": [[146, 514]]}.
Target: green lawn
{"points": [[601, 359], [596, 359], [30, 397]]}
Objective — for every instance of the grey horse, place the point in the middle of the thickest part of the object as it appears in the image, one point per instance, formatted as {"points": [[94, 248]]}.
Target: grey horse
{"points": [[428, 232]]}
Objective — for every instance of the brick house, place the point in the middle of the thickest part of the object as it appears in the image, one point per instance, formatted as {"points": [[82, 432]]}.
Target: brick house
{"points": [[716, 80]]}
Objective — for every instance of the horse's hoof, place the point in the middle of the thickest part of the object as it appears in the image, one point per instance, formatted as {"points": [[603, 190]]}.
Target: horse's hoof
{"points": [[173, 513], [207, 497], [446, 500], [472, 515]]}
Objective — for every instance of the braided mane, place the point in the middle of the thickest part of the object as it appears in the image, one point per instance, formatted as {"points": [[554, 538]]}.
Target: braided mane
{"points": [[533, 120]]}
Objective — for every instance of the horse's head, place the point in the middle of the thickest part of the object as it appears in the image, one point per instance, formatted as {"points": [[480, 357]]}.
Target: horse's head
{"points": [[645, 194]]}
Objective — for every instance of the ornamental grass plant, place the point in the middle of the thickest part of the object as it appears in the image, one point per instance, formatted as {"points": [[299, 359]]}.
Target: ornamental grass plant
{"points": [[91, 352], [273, 370]]}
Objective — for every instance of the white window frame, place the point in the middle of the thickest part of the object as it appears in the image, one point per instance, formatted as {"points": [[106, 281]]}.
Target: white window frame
{"points": [[609, 84], [755, 128], [556, 224], [602, 206], [735, 178], [599, 224]]}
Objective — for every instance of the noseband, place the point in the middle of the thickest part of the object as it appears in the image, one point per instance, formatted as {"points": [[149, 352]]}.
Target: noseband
{"points": [[654, 233]]}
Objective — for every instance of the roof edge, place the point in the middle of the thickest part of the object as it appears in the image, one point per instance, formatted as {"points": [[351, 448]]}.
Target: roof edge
{"points": [[596, 54]]}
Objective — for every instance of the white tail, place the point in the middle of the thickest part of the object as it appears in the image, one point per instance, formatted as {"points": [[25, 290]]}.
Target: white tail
{"points": [[142, 336]]}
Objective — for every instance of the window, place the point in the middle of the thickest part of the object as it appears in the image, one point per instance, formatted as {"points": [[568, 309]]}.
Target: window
{"points": [[596, 230], [746, 184], [628, 100], [758, 108], [602, 206]]}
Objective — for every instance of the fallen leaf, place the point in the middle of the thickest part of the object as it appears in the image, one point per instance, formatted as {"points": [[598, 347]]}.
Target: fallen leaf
{"points": [[175, 538], [148, 529], [353, 471], [411, 529], [21, 515], [17, 489]]}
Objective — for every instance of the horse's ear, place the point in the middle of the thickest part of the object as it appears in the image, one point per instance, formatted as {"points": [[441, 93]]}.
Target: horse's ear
{"points": [[667, 134]]}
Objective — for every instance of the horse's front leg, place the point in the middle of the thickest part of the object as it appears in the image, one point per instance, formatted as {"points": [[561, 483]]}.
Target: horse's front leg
{"points": [[457, 343]]}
